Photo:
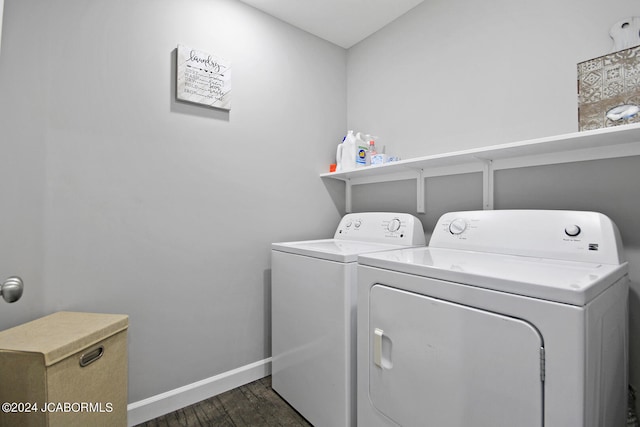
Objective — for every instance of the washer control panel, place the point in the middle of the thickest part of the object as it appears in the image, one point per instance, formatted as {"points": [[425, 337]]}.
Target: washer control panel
{"points": [[567, 235], [458, 226], [381, 227], [572, 230]]}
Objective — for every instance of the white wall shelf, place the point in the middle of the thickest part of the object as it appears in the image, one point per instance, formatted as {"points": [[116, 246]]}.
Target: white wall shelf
{"points": [[619, 141]]}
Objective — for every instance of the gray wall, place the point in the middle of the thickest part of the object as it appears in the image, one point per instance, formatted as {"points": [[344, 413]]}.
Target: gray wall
{"points": [[451, 75], [1, 11], [456, 74], [116, 198], [22, 166]]}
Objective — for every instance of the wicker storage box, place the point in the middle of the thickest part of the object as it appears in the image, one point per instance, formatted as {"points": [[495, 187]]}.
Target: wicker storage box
{"points": [[607, 82]]}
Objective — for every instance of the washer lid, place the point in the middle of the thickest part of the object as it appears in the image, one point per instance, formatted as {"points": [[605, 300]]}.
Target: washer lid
{"points": [[568, 282], [332, 249]]}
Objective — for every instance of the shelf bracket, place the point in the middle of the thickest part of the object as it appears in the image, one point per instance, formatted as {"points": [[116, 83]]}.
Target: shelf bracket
{"points": [[420, 191], [347, 195], [487, 184]]}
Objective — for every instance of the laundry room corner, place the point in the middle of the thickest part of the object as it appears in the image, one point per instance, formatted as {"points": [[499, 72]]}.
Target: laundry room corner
{"points": [[179, 196], [469, 76], [129, 201]]}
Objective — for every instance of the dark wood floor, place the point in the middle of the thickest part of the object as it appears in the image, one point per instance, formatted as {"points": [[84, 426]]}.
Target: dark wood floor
{"points": [[251, 405]]}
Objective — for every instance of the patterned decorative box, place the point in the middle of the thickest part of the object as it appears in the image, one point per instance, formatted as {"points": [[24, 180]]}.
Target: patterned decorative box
{"points": [[608, 82]]}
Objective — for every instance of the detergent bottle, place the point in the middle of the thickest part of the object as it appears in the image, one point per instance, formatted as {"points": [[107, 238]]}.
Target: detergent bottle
{"points": [[346, 153], [362, 146]]}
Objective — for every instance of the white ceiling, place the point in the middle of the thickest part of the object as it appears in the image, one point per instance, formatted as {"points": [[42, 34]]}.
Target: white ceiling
{"points": [[343, 22]]}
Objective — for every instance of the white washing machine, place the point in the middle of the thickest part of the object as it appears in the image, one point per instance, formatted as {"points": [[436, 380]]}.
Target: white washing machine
{"points": [[313, 309], [507, 318]]}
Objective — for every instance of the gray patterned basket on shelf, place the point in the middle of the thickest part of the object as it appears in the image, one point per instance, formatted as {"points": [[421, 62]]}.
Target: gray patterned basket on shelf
{"points": [[607, 82]]}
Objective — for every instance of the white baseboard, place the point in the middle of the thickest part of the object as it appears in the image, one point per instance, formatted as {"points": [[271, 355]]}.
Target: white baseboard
{"points": [[155, 406]]}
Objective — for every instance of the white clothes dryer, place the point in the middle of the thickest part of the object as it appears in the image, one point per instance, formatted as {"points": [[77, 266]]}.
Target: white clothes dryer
{"points": [[313, 309], [507, 318]]}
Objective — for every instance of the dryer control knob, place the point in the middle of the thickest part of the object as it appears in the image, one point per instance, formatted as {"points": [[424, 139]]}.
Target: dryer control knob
{"points": [[572, 230], [394, 225], [457, 226]]}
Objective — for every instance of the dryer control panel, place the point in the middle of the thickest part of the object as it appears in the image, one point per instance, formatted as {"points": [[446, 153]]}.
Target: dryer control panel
{"points": [[381, 227], [565, 235]]}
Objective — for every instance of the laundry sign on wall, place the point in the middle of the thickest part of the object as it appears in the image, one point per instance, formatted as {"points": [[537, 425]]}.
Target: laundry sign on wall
{"points": [[203, 78]]}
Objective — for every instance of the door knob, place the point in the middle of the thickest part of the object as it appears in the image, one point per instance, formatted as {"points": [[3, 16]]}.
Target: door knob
{"points": [[11, 289]]}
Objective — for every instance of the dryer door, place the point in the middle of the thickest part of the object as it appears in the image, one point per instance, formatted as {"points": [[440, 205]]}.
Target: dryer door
{"points": [[437, 363]]}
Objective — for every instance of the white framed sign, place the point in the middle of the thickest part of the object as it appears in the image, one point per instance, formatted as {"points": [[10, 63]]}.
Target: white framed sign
{"points": [[203, 78]]}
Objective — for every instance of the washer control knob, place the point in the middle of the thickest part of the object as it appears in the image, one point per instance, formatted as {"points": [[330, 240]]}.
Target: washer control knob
{"points": [[358, 223], [457, 226], [348, 224], [572, 230], [394, 225]]}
